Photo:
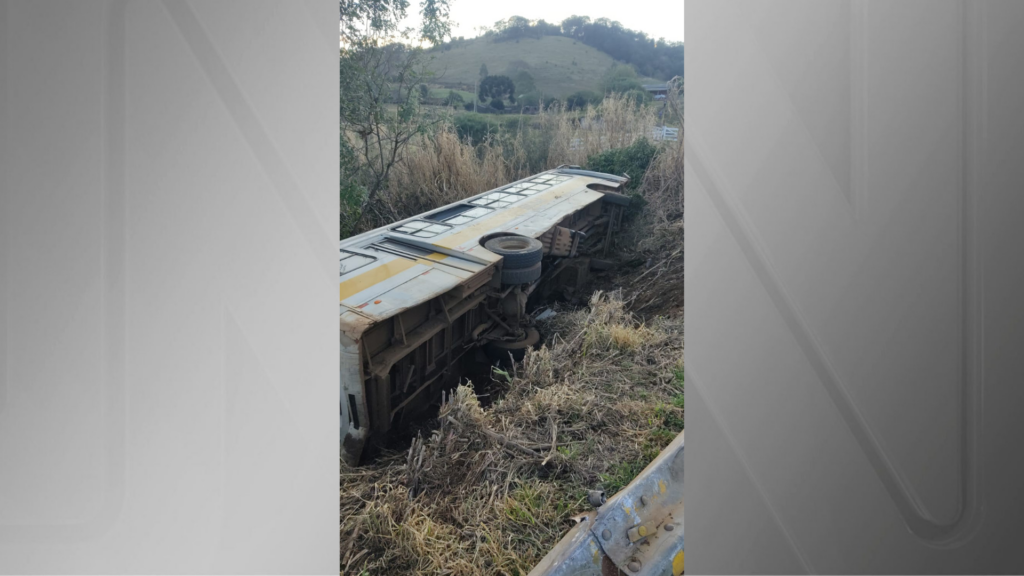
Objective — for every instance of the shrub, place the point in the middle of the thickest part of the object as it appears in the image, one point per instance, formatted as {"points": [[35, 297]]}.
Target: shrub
{"points": [[621, 78], [497, 88], [582, 99], [633, 160], [524, 82], [454, 99], [475, 127], [638, 96], [352, 192], [530, 99]]}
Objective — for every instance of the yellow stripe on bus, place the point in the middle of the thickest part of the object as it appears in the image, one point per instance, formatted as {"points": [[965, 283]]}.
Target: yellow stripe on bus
{"points": [[378, 274]]}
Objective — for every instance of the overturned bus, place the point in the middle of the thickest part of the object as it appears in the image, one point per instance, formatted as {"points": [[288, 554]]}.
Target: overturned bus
{"points": [[431, 299]]}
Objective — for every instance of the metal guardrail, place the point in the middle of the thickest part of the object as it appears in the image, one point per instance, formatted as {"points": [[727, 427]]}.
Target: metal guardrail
{"points": [[638, 531]]}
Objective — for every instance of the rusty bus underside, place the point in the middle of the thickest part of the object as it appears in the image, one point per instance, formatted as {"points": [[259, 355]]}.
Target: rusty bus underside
{"points": [[409, 358]]}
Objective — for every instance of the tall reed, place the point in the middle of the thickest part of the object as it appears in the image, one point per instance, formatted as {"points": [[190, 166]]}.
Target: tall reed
{"points": [[439, 168]]}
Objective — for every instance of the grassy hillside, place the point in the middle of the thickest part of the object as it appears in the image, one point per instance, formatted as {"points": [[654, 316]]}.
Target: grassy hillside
{"points": [[559, 65]]}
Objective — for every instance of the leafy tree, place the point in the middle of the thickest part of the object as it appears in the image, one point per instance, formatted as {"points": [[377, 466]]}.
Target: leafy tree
{"points": [[454, 99], [621, 78], [582, 99], [575, 26], [483, 71], [545, 29], [651, 58], [424, 91], [524, 83], [514, 28], [352, 192], [497, 88], [529, 99], [436, 17], [379, 109], [373, 21]]}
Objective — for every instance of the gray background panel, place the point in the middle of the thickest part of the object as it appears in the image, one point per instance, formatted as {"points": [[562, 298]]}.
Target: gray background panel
{"points": [[853, 209], [168, 392]]}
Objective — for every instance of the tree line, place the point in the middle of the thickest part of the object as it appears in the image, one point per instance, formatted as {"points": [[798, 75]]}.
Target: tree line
{"points": [[657, 58]]}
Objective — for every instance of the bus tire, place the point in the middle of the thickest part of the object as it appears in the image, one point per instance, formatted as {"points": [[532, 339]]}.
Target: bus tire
{"points": [[520, 275], [516, 251]]}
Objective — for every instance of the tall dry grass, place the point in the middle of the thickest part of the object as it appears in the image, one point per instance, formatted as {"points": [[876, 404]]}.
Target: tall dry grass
{"points": [[439, 168], [662, 185], [616, 123], [656, 238]]}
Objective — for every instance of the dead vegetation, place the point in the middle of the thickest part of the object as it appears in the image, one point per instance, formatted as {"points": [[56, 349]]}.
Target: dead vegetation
{"points": [[437, 168], [489, 491], [652, 246]]}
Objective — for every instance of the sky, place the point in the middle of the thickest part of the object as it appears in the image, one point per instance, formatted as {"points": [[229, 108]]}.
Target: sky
{"points": [[657, 18]]}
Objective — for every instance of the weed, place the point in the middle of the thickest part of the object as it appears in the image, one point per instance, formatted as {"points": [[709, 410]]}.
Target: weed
{"points": [[621, 474]]}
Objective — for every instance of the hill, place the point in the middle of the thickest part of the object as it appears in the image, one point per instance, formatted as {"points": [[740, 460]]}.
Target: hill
{"points": [[559, 65]]}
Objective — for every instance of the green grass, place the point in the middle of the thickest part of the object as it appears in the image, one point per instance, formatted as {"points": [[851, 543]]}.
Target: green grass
{"points": [[443, 93], [679, 400], [670, 424], [621, 474], [559, 66]]}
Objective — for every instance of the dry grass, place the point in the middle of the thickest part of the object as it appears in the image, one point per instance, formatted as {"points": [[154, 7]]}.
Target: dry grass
{"points": [[662, 185], [653, 241], [616, 123], [489, 491], [438, 168]]}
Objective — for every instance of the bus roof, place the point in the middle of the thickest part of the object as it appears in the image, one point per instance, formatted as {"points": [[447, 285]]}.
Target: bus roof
{"points": [[392, 268]]}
